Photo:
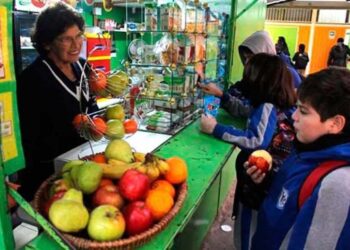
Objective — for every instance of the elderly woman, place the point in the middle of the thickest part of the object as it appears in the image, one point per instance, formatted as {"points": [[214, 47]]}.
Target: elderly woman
{"points": [[51, 91]]}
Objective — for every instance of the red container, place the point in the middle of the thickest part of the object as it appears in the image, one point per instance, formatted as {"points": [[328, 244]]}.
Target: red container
{"points": [[104, 64], [98, 46]]}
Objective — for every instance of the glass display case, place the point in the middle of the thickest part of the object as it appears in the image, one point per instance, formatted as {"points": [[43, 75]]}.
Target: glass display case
{"points": [[170, 47], [24, 52]]}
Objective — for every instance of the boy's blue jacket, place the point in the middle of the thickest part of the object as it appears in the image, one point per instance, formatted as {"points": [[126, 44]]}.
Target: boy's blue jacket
{"points": [[323, 222]]}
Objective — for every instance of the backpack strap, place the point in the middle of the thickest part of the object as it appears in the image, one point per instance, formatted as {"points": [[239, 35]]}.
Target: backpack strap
{"points": [[315, 176]]}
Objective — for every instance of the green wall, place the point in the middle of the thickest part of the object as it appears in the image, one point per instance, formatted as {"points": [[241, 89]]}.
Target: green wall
{"points": [[289, 33], [248, 17]]}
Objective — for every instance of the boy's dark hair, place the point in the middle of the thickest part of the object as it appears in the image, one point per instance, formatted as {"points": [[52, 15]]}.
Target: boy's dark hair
{"points": [[328, 92], [301, 48], [266, 78], [52, 22]]}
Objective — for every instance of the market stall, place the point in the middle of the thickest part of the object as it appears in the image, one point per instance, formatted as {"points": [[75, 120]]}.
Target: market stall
{"points": [[158, 88], [211, 173]]}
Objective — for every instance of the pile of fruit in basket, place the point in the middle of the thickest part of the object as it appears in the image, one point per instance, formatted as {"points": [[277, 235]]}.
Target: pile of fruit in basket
{"points": [[115, 194], [111, 124]]}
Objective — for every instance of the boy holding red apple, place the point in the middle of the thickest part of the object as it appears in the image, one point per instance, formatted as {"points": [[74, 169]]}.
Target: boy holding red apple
{"points": [[322, 125]]}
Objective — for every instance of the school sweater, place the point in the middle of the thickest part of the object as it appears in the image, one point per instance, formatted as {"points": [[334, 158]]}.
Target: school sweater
{"points": [[323, 222]]}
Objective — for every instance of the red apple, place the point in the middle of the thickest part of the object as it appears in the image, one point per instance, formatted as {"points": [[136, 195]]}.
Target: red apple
{"points": [[105, 182], [108, 194], [138, 217], [134, 185], [106, 223], [261, 159]]}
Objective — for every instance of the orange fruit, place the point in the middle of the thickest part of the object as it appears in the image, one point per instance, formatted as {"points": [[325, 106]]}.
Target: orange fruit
{"points": [[165, 186], [79, 120], [159, 203], [99, 158], [177, 172], [97, 80], [130, 126], [99, 126]]}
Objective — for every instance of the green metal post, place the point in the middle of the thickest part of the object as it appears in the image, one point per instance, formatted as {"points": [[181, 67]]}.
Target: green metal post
{"points": [[231, 40], [7, 241]]}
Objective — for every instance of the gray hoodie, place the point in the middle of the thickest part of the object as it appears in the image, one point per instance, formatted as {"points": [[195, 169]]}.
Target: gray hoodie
{"points": [[259, 42]]}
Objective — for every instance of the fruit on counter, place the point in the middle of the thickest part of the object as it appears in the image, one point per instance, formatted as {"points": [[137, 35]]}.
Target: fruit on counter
{"points": [[73, 174], [139, 157], [130, 126], [177, 172], [106, 223], [138, 217], [99, 158], [97, 81], [60, 185], [162, 165], [98, 128], [108, 195], [117, 82], [115, 169], [134, 185], [159, 202], [150, 170], [69, 214], [153, 166], [115, 129], [165, 186], [67, 167], [80, 120], [88, 177], [115, 112], [105, 182], [119, 149], [54, 197], [261, 159]]}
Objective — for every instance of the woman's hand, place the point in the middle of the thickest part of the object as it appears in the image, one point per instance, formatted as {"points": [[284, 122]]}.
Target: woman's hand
{"points": [[211, 88], [208, 123], [255, 174]]}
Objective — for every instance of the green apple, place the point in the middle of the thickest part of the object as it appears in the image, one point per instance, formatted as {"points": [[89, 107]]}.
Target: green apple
{"points": [[106, 223]]}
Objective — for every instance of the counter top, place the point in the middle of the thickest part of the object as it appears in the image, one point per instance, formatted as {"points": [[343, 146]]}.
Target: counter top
{"points": [[205, 155]]}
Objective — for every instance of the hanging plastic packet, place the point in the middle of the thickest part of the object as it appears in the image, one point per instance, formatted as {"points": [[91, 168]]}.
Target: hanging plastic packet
{"points": [[211, 105]]}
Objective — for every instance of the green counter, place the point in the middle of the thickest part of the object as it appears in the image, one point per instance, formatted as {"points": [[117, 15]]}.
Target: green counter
{"points": [[211, 172]]}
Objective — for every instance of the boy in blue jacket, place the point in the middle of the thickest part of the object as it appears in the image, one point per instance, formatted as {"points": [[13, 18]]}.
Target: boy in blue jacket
{"points": [[322, 125]]}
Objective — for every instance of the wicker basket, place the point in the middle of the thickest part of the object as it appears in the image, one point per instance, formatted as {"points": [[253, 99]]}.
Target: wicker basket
{"points": [[132, 242]]}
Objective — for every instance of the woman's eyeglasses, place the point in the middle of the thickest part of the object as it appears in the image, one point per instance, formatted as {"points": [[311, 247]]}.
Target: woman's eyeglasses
{"points": [[67, 41]]}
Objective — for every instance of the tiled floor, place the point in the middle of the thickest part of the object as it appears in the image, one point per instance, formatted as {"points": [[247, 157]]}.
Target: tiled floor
{"points": [[217, 238]]}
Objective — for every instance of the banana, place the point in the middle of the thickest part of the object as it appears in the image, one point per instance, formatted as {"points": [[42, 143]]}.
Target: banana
{"points": [[149, 167], [115, 162], [140, 157], [163, 166], [153, 172], [142, 169], [115, 171]]}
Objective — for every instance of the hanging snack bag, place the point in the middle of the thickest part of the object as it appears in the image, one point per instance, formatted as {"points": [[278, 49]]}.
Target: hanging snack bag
{"points": [[211, 105]]}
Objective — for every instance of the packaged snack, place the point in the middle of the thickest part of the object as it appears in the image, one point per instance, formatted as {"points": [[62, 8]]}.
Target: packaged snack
{"points": [[211, 105], [167, 49]]}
